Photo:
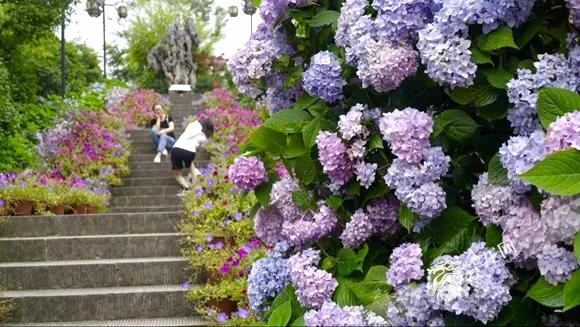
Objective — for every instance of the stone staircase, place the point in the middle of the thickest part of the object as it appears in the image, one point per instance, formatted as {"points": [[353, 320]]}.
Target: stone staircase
{"points": [[121, 268]]}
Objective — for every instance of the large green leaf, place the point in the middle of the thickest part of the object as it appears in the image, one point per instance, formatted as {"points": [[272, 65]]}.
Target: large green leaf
{"points": [[367, 291], [559, 173], [347, 261], [288, 121], [325, 17], [376, 273], [458, 125], [452, 232], [305, 169], [500, 38], [480, 57], [572, 291], [281, 315], [343, 296], [492, 236], [497, 174], [262, 193], [269, 140], [310, 132], [406, 217], [463, 95], [547, 294], [295, 147], [497, 77], [553, 103], [486, 96]]}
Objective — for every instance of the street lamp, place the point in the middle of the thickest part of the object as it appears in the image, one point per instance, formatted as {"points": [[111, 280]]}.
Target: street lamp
{"points": [[97, 7], [233, 11], [249, 9]]}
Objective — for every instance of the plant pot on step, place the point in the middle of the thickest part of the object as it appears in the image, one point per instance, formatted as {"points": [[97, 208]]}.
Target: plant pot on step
{"points": [[83, 210], [212, 276], [23, 208], [226, 306], [57, 210]]}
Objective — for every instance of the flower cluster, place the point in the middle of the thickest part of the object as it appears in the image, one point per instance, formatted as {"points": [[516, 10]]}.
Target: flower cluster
{"points": [[407, 132], [247, 173], [564, 133], [333, 156], [310, 226], [268, 277], [322, 78], [405, 265], [277, 96], [519, 154], [401, 20], [357, 230], [556, 264], [492, 202], [412, 305], [330, 314], [380, 218], [313, 286]]}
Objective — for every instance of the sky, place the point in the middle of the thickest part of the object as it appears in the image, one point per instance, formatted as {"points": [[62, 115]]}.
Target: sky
{"points": [[88, 30]]}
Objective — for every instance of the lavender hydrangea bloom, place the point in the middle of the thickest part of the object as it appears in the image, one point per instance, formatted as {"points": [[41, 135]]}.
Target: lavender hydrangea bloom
{"points": [[351, 124], [357, 230], [447, 58], [427, 201], [524, 231], [268, 225], [365, 173], [574, 6], [277, 96], [272, 10], [247, 172], [405, 265], [412, 306], [556, 264], [384, 215], [564, 133], [313, 286], [407, 132], [311, 227], [492, 202], [281, 197], [322, 78], [330, 314], [401, 19], [519, 154], [332, 154], [267, 278], [357, 150], [435, 163], [561, 215], [475, 283], [354, 29], [384, 66]]}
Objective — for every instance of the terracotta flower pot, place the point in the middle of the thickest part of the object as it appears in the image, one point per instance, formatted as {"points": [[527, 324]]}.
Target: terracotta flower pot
{"points": [[84, 210], [212, 276], [57, 210], [23, 208], [223, 305]]}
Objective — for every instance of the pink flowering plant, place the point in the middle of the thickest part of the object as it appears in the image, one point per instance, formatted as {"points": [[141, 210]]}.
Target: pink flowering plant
{"points": [[432, 155]]}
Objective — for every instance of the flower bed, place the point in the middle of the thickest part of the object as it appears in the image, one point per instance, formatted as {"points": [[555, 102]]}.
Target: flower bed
{"points": [[433, 149]]}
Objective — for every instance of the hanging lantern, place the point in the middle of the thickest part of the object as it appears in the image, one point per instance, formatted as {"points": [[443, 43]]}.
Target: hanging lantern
{"points": [[122, 11], [233, 11], [94, 8], [249, 8]]}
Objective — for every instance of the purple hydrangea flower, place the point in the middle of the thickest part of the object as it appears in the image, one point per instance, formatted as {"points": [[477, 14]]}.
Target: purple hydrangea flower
{"points": [[384, 66], [279, 97], [313, 286], [405, 265], [332, 154], [519, 154], [330, 314], [524, 231], [267, 278], [354, 28], [281, 197], [268, 225], [242, 313], [365, 173], [407, 132], [247, 173], [384, 215], [402, 19], [322, 78], [427, 201], [561, 216], [412, 305], [357, 230], [564, 133], [351, 124], [492, 202], [574, 6], [556, 264], [311, 227], [357, 150], [272, 11]]}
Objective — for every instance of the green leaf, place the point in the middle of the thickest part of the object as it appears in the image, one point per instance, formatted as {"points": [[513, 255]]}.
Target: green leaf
{"points": [[527, 32], [269, 140], [480, 57], [577, 246], [353, 188], [362, 254], [334, 202], [572, 291], [299, 322], [262, 193], [406, 217], [328, 263], [347, 261], [553, 103], [303, 102], [377, 190], [459, 126], [305, 169], [486, 96], [295, 147], [500, 38], [496, 173], [301, 199], [376, 273], [281, 316], [497, 77], [343, 296], [559, 173], [463, 95], [288, 121], [492, 236], [547, 294], [375, 142], [325, 17], [366, 292], [310, 132], [451, 232]]}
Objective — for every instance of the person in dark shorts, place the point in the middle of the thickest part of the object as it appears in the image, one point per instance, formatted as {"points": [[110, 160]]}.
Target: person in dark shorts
{"points": [[162, 132], [184, 149]]}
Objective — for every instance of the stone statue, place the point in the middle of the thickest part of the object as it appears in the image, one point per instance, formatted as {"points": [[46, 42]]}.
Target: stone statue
{"points": [[173, 55]]}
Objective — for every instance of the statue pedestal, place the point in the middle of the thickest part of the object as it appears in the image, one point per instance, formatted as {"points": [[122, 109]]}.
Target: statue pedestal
{"points": [[180, 88]]}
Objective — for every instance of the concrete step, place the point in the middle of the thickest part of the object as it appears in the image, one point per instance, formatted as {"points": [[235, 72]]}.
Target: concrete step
{"points": [[148, 181], [168, 322], [92, 273], [161, 172], [109, 223], [149, 209], [146, 190], [149, 164], [148, 154], [112, 303], [131, 201], [88, 247]]}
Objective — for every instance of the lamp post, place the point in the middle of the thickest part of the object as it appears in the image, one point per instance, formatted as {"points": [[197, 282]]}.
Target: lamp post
{"points": [[233, 11], [249, 9], [97, 7], [62, 55]]}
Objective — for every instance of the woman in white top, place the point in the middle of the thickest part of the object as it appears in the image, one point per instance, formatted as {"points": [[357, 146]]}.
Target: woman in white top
{"points": [[183, 152]]}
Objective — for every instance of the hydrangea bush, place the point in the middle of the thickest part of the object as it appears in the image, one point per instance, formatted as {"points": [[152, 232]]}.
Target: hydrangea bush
{"points": [[432, 157]]}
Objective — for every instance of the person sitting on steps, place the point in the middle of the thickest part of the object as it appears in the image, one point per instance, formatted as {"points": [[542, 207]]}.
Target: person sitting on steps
{"points": [[183, 152], [162, 132]]}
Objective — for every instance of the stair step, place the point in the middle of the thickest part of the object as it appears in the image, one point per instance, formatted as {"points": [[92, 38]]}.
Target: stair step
{"points": [[129, 201], [95, 224], [169, 322], [92, 273], [146, 190], [149, 209], [51, 248], [154, 173], [148, 181], [109, 303]]}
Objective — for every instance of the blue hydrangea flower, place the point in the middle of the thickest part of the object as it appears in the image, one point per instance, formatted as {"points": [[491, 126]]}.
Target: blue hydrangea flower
{"points": [[322, 78], [267, 278], [519, 154], [357, 230], [405, 265], [556, 264]]}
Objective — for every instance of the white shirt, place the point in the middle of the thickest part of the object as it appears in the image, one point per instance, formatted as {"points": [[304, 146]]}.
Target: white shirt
{"points": [[191, 138]]}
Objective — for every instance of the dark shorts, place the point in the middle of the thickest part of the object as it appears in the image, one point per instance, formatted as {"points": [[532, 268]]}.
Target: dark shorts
{"points": [[179, 157]]}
